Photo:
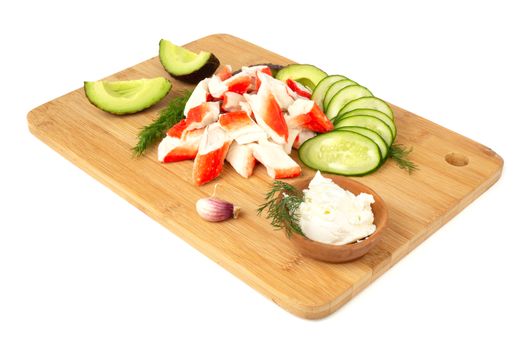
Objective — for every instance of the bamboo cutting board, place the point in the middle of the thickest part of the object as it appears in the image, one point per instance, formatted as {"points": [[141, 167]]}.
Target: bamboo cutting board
{"points": [[454, 171]]}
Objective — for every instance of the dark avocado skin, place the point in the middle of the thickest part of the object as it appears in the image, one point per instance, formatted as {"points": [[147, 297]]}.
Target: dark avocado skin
{"points": [[204, 72]]}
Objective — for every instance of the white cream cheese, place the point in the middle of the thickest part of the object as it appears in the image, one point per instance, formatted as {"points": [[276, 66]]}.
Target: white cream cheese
{"points": [[332, 215]]}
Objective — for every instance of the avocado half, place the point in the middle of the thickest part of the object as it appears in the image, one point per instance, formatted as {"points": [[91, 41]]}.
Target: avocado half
{"points": [[185, 65], [126, 96]]}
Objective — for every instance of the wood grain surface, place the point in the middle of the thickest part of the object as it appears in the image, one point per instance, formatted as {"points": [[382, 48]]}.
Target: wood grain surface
{"points": [[453, 171]]}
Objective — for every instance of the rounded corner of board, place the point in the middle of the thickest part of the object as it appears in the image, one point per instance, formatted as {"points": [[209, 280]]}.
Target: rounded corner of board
{"points": [[221, 36], [497, 158], [32, 119], [310, 311]]}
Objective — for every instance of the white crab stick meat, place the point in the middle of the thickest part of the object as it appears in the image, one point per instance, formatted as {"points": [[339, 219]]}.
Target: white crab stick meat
{"points": [[292, 136], [299, 88], [268, 114], [300, 106], [245, 106], [254, 69], [241, 159], [306, 114], [239, 83], [179, 143], [303, 136], [254, 72], [217, 87], [174, 149], [203, 115], [231, 102], [213, 148], [278, 164], [198, 96], [283, 94], [240, 127]]}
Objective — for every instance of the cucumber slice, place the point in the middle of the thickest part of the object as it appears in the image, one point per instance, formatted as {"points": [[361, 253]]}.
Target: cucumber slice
{"points": [[186, 65], [369, 103], [305, 74], [344, 96], [126, 96], [374, 136], [334, 89], [321, 88], [368, 122], [373, 113], [341, 152]]}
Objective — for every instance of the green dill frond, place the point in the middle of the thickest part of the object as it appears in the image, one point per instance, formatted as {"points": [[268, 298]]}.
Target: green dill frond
{"points": [[399, 154], [168, 117], [282, 202]]}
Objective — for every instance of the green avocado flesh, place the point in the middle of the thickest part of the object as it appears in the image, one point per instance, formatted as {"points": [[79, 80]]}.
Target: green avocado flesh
{"points": [[305, 74], [126, 96], [186, 65]]}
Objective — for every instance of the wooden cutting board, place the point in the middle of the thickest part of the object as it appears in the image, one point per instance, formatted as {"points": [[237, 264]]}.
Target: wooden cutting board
{"points": [[453, 171]]}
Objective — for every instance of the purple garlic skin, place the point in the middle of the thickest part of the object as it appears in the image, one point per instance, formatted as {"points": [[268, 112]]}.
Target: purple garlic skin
{"points": [[215, 209]]}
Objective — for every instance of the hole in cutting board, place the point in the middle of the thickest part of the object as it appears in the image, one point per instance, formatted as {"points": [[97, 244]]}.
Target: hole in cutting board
{"points": [[456, 159]]}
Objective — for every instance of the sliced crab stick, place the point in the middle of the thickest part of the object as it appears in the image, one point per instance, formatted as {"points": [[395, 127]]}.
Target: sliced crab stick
{"points": [[213, 148], [282, 93], [241, 159], [268, 114], [298, 88], [292, 136], [252, 71], [202, 115], [178, 129], [241, 127], [198, 96], [303, 136], [231, 101], [239, 83], [278, 164], [307, 114], [182, 147]]}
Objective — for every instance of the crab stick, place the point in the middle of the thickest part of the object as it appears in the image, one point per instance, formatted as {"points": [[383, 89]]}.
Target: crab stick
{"points": [[179, 145], [202, 115], [303, 136], [268, 114], [278, 164], [307, 114], [198, 96], [241, 159], [212, 151], [241, 127]]}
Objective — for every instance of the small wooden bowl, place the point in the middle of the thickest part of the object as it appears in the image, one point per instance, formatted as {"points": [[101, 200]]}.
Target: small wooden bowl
{"points": [[351, 251]]}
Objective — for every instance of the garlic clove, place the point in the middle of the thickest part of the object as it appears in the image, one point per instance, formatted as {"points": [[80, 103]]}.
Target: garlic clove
{"points": [[215, 209]]}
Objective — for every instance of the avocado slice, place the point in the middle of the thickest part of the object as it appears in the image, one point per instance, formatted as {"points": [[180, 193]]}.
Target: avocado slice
{"points": [[126, 96], [306, 74], [185, 65]]}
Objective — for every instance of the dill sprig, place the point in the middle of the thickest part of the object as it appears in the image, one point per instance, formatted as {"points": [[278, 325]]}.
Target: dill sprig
{"points": [[399, 153], [281, 204], [169, 116]]}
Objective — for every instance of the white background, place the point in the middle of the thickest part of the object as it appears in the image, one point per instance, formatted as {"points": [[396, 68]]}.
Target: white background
{"points": [[80, 268]]}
